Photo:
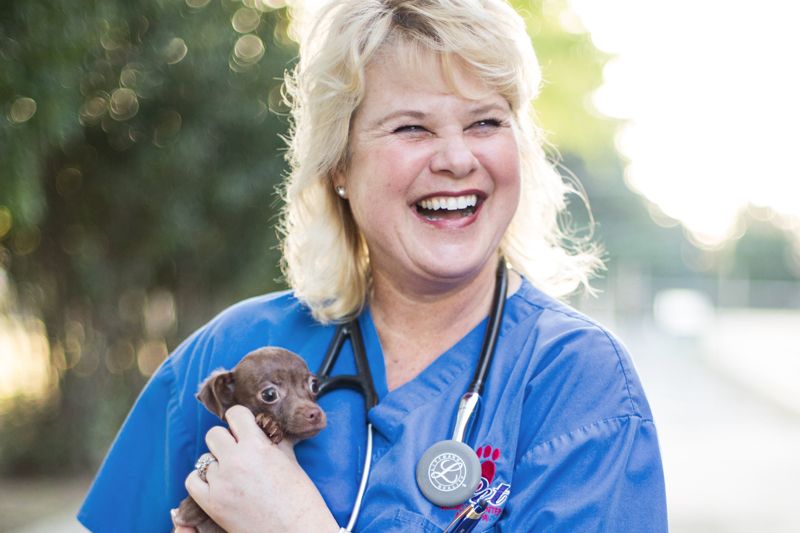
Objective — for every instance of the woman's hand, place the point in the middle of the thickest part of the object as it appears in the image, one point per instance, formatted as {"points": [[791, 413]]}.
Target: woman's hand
{"points": [[254, 485]]}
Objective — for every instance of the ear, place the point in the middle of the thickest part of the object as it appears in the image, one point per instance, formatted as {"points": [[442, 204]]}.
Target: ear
{"points": [[216, 392], [338, 176]]}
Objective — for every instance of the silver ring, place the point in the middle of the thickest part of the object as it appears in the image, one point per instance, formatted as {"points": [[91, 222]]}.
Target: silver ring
{"points": [[202, 465]]}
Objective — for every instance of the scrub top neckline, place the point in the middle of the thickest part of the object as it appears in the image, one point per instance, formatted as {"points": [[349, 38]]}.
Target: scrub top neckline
{"points": [[434, 379]]}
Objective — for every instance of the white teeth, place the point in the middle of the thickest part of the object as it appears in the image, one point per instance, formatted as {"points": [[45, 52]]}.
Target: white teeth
{"points": [[450, 203]]}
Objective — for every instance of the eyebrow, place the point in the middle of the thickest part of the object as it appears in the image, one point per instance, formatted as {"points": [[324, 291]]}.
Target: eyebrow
{"points": [[420, 115], [481, 110]]}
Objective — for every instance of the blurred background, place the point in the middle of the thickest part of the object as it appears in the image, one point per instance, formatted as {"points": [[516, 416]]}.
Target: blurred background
{"points": [[140, 154]]}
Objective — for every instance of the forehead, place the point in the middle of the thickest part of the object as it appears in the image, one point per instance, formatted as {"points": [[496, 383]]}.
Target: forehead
{"points": [[271, 366], [403, 73]]}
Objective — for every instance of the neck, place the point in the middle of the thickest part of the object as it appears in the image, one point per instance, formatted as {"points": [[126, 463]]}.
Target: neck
{"points": [[416, 326]]}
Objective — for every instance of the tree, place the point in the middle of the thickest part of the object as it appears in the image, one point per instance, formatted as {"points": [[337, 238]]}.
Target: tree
{"points": [[141, 189]]}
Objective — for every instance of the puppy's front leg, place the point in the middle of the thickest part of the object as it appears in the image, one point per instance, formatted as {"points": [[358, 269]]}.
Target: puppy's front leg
{"points": [[191, 515]]}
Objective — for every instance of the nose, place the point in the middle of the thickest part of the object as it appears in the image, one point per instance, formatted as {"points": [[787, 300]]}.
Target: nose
{"points": [[454, 157], [312, 414]]}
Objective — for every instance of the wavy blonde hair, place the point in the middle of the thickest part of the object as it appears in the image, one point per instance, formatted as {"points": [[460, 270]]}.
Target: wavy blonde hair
{"points": [[325, 258]]}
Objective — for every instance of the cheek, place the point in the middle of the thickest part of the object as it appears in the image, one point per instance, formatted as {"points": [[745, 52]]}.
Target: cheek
{"points": [[501, 161], [378, 182], [386, 167]]}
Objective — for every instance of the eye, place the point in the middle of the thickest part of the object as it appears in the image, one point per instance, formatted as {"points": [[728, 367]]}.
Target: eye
{"points": [[411, 129], [269, 395], [486, 123], [313, 385]]}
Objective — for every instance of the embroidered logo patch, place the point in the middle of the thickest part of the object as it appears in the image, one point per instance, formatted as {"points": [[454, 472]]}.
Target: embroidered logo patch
{"points": [[495, 493]]}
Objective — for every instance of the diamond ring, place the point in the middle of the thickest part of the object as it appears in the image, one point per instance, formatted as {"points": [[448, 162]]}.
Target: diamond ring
{"points": [[202, 465]]}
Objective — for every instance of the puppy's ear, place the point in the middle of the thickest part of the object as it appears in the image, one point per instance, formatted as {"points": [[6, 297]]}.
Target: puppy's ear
{"points": [[216, 392]]}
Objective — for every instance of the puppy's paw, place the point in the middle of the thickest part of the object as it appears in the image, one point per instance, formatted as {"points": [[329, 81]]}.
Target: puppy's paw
{"points": [[270, 427], [188, 514]]}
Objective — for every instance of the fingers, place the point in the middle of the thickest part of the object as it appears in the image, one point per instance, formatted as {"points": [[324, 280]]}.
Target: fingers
{"points": [[220, 441], [242, 425], [199, 489]]}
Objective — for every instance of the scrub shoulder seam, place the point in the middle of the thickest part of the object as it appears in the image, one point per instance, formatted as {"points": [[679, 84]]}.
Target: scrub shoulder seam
{"points": [[552, 443], [566, 311]]}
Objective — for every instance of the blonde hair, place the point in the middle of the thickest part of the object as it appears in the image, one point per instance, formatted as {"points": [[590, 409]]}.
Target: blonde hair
{"points": [[326, 260]]}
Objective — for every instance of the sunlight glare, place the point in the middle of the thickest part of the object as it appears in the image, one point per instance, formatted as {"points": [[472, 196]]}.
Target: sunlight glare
{"points": [[709, 88]]}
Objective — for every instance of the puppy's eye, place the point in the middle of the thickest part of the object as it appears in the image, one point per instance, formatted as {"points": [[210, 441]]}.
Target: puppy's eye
{"points": [[269, 395], [313, 385]]}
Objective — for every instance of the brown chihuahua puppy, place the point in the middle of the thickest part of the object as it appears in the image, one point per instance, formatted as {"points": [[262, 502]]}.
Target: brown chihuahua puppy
{"points": [[276, 385]]}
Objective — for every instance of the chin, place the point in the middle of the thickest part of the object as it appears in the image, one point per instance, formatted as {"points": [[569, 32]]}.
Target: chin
{"points": [[457, 262], [308, 432]]}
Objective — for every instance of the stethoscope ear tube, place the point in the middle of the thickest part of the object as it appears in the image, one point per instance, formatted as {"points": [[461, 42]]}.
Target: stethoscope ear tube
{"points": [[492, 328], [362, 381], [471, 400]]}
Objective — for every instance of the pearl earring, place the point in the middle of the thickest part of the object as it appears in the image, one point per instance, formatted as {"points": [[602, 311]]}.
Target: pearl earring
{"points": [[340, 191]]}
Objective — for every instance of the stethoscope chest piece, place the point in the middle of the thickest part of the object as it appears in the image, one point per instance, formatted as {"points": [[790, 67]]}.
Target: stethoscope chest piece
{"points": [[448, 473]]}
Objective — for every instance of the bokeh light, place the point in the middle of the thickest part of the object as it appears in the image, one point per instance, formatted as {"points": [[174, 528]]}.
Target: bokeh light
{"points": [[245, 20], [123, 105], [6, 221], [24, 359], [93, 110], [22, 110], [150, 355], [249, 49], [167, 128], [175, 51], [26, 240]]}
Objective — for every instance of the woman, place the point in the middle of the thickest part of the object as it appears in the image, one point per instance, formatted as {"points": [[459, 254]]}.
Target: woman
{"points": [[415, 169]]}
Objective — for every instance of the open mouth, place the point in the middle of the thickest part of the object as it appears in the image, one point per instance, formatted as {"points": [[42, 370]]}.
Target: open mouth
{"points": [[448, 207]]}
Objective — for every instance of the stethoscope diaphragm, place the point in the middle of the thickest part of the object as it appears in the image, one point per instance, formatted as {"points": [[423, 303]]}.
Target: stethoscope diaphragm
{"points": [[448, 473]]}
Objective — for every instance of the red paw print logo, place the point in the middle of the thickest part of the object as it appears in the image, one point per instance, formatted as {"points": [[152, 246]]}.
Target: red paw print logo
{"points": [[488, 456]]}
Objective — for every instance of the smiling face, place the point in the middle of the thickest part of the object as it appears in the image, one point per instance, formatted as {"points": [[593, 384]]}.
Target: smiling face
{"points": [[433, 175]]}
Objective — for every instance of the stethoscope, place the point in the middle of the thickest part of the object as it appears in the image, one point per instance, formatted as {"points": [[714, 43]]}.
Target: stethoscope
{"points": [[449, 471]]}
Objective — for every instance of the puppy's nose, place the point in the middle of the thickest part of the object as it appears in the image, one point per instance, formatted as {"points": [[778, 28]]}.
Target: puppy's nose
{"points": [[312, 414]]}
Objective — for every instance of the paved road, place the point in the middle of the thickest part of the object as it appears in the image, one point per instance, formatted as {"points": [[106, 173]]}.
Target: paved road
{"points": [[731, 456]]}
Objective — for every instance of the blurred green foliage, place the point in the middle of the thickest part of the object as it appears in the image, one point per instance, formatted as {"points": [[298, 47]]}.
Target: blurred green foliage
{"points": [[572, 68], [149, 167]]}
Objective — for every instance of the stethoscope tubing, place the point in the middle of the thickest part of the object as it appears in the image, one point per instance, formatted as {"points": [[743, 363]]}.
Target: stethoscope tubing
{"points": [[470, 401], [363, 382], [492, 329], [362, 487]]}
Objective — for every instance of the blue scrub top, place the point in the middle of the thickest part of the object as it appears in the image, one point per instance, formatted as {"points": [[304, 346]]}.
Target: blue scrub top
{"points": [[565, 435]]}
